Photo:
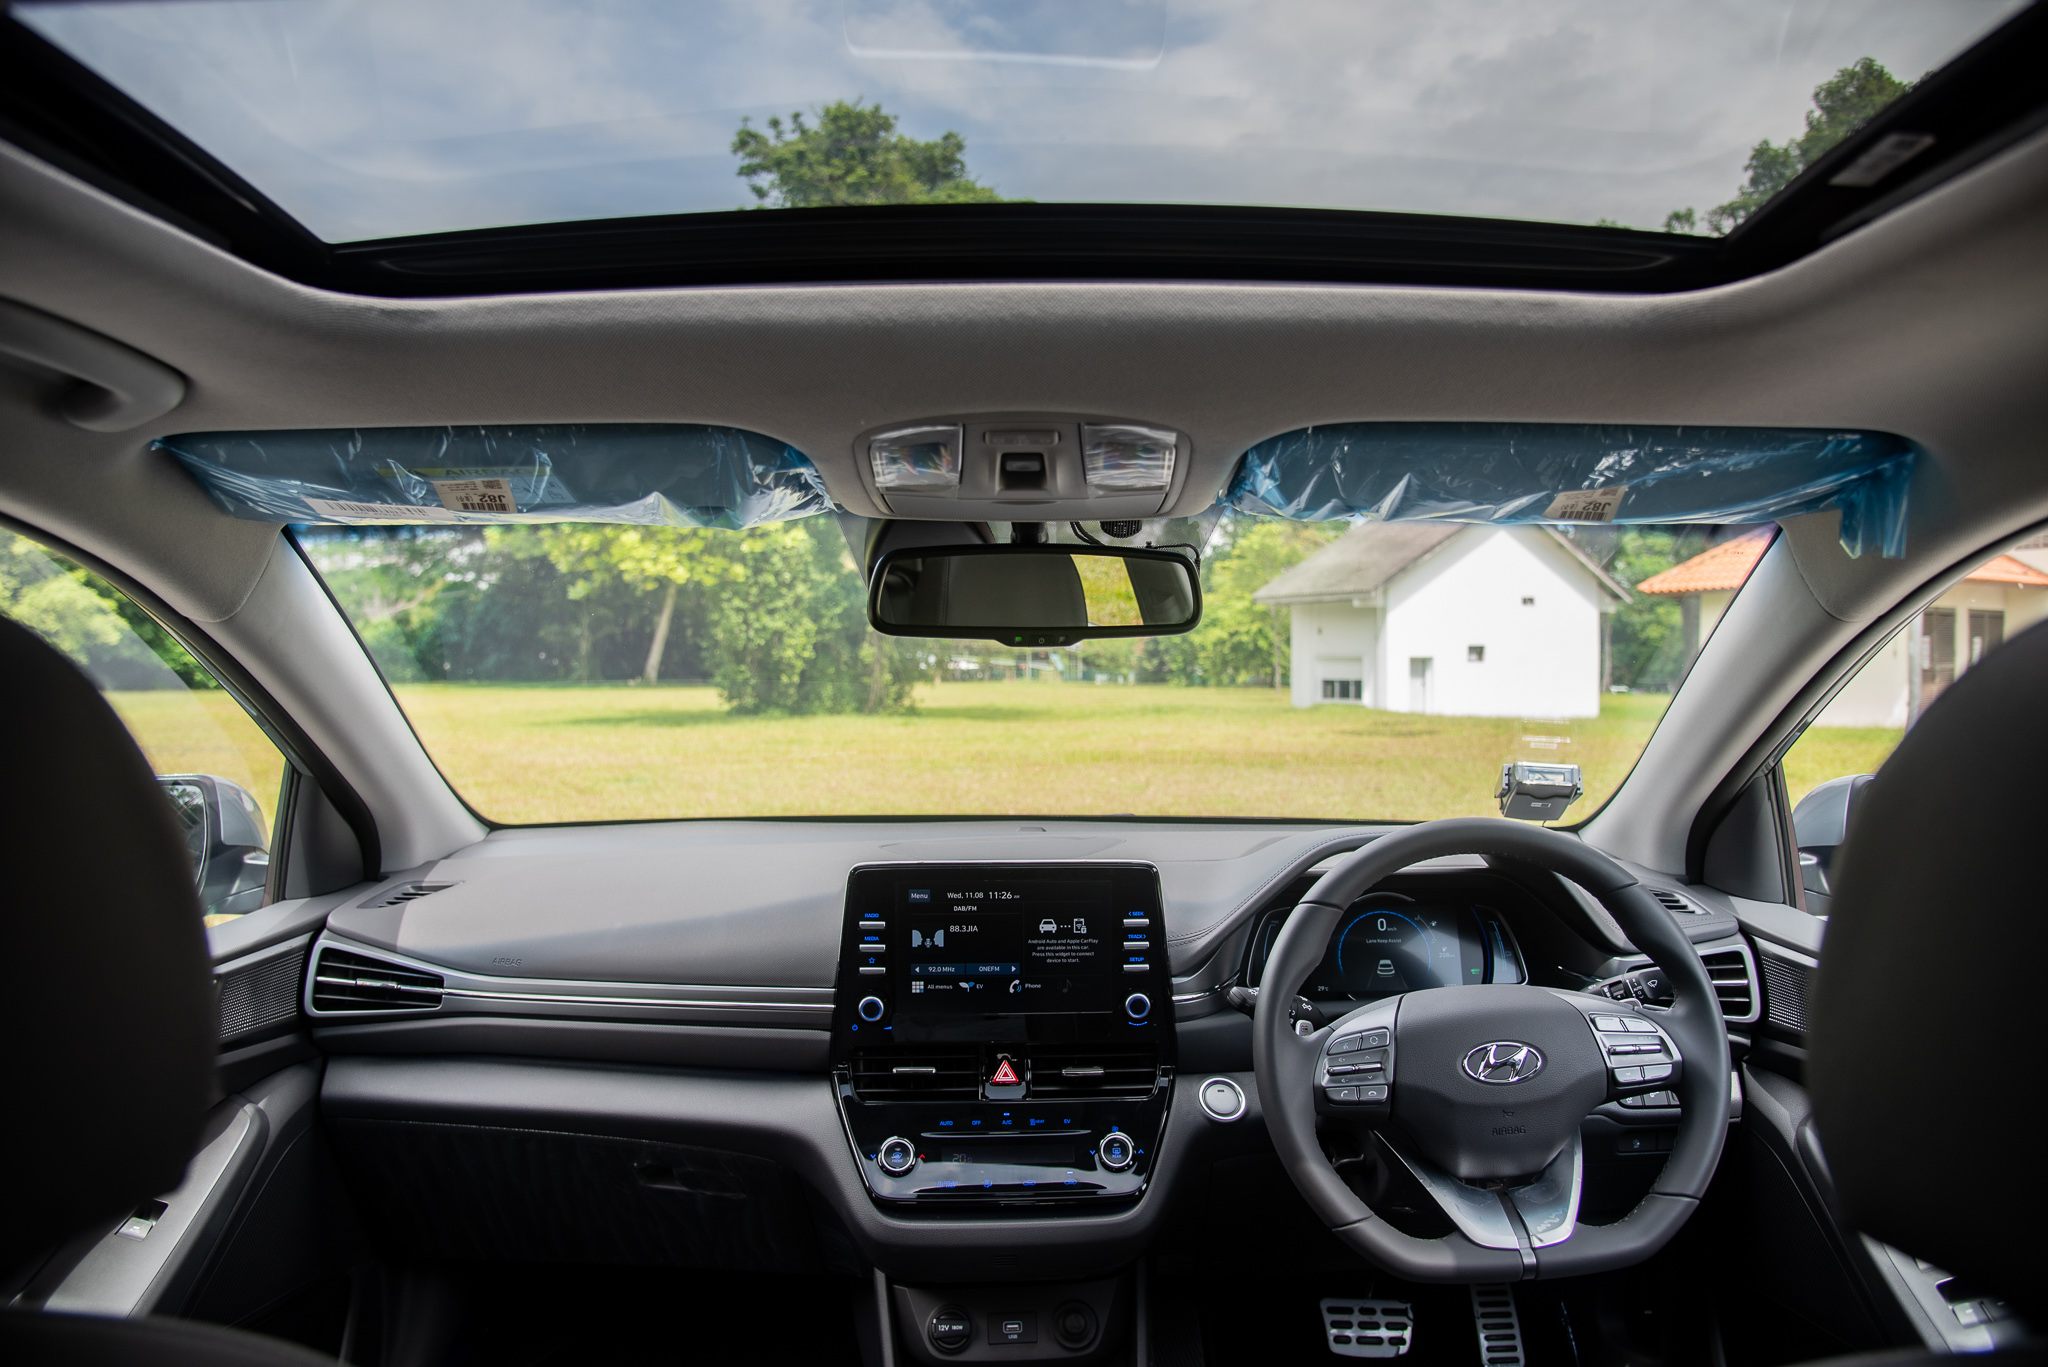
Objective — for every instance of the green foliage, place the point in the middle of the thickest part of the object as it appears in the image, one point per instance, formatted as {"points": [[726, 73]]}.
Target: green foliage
{"points": [[853, 155], [91, 621], [1842, 104], [1239, 642], [1646, 644], [789, 632], [775, 616]]}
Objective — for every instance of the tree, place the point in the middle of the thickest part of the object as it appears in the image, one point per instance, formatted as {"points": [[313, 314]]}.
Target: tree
{"points": [[853, 155], [593, 554], [1239, 641], [789, 632], [1842, 104]]}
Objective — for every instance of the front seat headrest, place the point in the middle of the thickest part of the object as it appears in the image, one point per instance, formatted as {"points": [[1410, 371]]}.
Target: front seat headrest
{"points": [[1927, 1040], [108, 1021]]}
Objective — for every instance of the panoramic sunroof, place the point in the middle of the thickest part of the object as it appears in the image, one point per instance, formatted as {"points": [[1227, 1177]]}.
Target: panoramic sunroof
{"points": [[372, 119]]}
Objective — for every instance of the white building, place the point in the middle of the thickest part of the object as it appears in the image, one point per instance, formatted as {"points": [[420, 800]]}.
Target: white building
{"points": [[1474, 621], [2000, 598]]}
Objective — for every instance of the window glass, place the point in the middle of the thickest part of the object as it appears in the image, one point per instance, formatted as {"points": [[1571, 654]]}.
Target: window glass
{"points": [[580, 672], [218, 770], [1857, 731]]}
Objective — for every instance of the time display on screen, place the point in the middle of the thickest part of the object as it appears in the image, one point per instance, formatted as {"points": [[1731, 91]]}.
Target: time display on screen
{"points": [[1007, 948]]}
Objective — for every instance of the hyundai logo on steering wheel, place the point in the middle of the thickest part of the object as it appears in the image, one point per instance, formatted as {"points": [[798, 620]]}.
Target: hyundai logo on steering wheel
{"points": [[1503, 1061]]}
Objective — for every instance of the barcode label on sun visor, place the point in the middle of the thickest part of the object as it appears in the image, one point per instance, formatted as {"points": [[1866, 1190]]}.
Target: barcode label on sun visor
{"points": [[1586, 505], [341, 510], [475, 495]]}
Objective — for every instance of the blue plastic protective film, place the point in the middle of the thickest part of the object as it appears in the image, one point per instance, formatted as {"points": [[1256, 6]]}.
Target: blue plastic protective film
{"points": [[1560, 473], [657, 475]]}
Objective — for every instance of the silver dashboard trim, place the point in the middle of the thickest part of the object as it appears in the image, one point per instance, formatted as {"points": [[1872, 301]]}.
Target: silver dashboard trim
{"points": [[475, 993]]}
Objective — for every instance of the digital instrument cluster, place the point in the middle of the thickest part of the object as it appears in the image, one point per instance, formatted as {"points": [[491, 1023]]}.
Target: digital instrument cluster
{"points": [[1387, 944]]}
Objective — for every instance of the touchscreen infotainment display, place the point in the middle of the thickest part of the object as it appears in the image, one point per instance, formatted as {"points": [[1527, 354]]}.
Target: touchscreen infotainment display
{"points": [[989, 945]]}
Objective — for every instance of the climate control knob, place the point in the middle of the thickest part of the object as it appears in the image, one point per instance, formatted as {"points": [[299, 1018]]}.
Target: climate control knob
{"points": [[1137, 1006], [870, 1008], [1116, 1151], [896, 1156]]}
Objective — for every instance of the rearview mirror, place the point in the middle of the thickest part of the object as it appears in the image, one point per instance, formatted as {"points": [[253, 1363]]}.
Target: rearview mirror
{"points": [[1033, 595]]}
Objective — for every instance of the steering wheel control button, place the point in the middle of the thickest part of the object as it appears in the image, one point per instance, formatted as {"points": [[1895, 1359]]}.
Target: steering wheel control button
{"points": [[1137, 1006], [870, 1008], [1636, 1025], [1656, 1072], [1626, 1075], [896, 1156], [1612, 1024], [1116, 1151], [1222, 1099], [1342, 1096], [949, 1329], [1372, 1092]]}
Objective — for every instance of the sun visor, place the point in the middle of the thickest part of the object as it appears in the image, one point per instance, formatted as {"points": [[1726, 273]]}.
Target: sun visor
{"points": [[1563, 473], [657, 475]]}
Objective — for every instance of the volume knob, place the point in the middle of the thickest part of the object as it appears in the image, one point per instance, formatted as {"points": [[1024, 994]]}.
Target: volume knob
{"points": [[870, 1008], [896, 1156]]}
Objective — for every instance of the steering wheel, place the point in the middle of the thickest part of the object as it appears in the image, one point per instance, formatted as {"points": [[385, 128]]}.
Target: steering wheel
{"points": [[1479, 1091]]}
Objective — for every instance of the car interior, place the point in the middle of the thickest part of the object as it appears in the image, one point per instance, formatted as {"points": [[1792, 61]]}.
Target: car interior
{"points": [[605, 773]]}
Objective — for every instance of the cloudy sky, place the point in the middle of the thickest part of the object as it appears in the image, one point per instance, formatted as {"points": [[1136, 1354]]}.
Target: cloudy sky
{"points": [[378, 118]]}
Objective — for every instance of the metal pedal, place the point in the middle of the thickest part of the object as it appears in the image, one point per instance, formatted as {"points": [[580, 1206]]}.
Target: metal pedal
{"points": [[1367, 1328], [1499, 1326]]}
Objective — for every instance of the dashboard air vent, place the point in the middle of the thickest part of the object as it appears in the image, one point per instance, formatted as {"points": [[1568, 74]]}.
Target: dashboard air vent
{"points": [[1677, 902], [1734, 983], [1091, 1070], [927, 1075], [407, 892], [355, 982]]}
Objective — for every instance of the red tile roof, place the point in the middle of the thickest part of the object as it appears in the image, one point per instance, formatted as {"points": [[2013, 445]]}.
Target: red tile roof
{"points": [[1726, 566], [2003, 569]]}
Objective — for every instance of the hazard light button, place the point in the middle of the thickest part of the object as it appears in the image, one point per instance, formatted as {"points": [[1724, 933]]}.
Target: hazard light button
{"points": [[1006, 1083]]}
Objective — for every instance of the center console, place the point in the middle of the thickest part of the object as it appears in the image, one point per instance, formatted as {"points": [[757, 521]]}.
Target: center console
{"points": [[1003, 1033]]}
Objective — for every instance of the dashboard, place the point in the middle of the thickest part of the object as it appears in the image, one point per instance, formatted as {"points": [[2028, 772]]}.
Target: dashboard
{"points": [[800, 994]]}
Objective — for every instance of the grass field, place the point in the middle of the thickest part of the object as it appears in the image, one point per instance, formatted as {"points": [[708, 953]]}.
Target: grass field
{"points": [[580, 753], [522, 753], [203, 733]]}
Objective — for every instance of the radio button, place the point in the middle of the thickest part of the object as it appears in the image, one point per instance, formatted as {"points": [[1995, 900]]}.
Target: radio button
{"points": [[870, 1008]]}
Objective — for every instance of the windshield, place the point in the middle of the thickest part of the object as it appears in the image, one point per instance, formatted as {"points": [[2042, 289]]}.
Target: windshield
{"points": [[368, 119], [1347, 670]]}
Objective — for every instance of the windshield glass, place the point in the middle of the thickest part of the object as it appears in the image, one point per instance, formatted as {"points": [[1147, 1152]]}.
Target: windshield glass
{"points": [[370, 119], [1351, 670]]}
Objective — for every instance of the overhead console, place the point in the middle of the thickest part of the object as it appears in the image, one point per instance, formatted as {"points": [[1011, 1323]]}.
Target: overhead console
{"points": [[1003, 1033], [1031, 467]]}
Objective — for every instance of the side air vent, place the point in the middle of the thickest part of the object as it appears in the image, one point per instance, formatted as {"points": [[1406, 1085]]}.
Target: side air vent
{"points": [[1083, 1070], [932, 1075], [1677, 902], [1785, 985], [355, 982], [1734, 983], [407, 892]]}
